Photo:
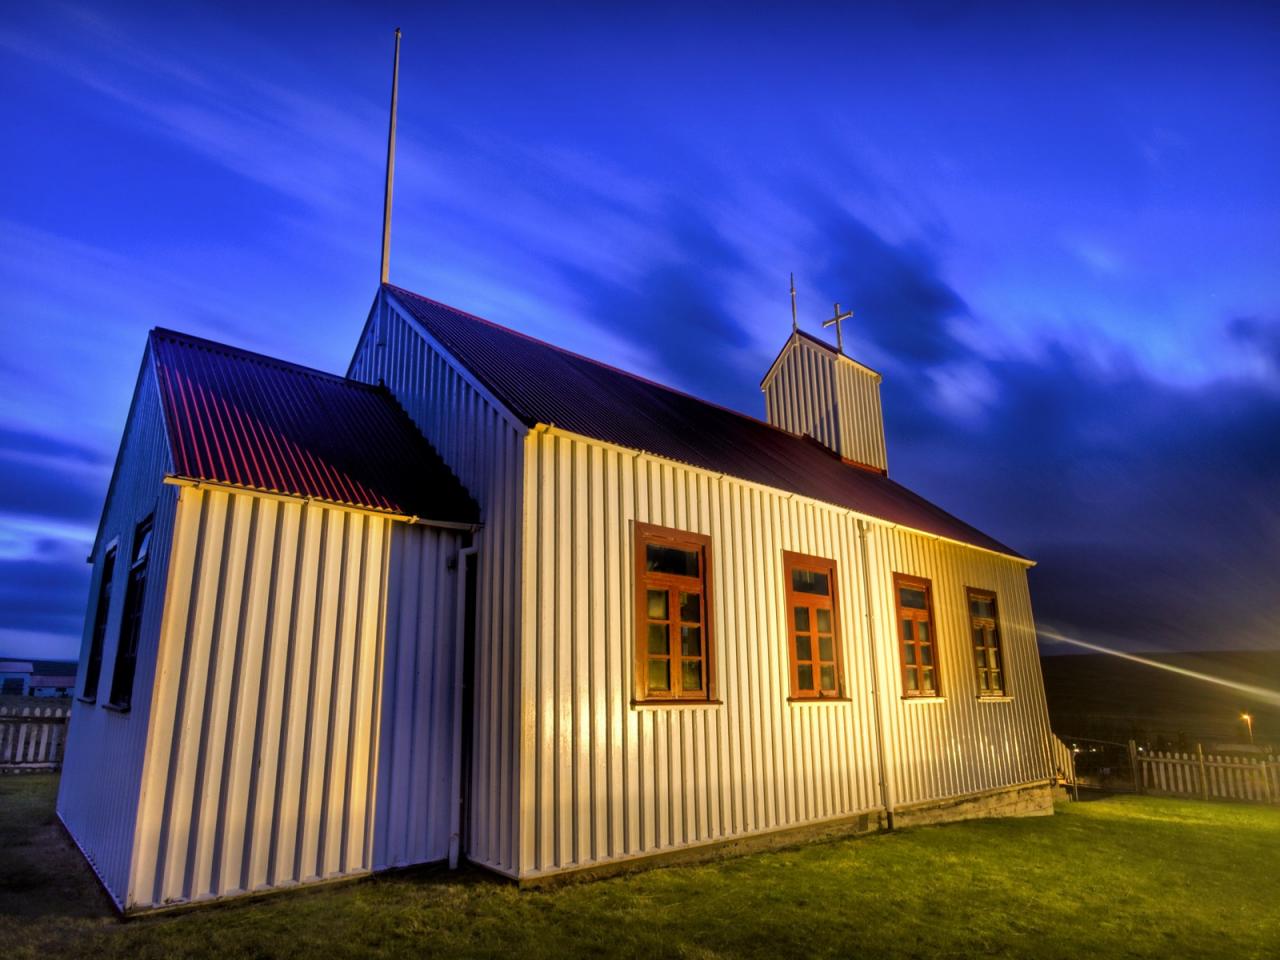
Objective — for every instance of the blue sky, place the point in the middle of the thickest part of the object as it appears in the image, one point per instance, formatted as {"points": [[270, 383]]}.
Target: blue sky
{"points": [[1058, 226]]}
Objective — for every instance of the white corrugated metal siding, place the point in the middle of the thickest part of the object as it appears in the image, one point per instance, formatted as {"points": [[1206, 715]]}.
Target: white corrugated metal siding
{"points": [[605, 780], [98, 791], [415, 749], [262, 766], [958, 744], [861, 420], [484, 446], [811, 391]]}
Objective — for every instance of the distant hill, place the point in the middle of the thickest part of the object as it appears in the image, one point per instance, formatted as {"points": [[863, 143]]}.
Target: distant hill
{"points": [[1098, 695]]}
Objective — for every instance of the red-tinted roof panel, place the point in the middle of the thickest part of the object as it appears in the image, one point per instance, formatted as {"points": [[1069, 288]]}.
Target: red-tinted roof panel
{"points": [[252, 421]]}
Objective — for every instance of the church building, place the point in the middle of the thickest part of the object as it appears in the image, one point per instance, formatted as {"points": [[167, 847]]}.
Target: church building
{"points": [[485, 599]]}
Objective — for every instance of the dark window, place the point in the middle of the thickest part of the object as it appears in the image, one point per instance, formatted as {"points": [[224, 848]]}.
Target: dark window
{"points": [[985, 630], [673, 616], [93, 669], [812, 627], [916, 637], [131, 622]]}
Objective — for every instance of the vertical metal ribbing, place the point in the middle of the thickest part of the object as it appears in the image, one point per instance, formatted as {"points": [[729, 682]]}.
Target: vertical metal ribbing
{"points": [[485, 450], [240, 801], [755, 762]]}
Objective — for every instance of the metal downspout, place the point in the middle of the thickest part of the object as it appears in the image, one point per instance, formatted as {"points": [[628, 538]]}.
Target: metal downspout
{"points": [[882, 768], [466, 557]]}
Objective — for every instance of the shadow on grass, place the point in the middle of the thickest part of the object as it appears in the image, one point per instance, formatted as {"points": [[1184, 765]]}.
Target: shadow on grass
{"points": [[42, 874]]}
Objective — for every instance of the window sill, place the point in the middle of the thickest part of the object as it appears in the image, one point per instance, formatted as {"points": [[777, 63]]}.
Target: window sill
{"points": [[89, 700], [803, 700], [924, 699], [642, 704], [115, 708], [994, 699]]}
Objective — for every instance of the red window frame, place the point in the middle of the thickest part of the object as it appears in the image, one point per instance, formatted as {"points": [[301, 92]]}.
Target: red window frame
{"points": [[803, 629], [676, 619], [917, 639], [988, 644]]}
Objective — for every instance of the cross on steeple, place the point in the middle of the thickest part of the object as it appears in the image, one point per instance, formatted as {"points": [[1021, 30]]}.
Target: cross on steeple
{"points": [[835, 321]]}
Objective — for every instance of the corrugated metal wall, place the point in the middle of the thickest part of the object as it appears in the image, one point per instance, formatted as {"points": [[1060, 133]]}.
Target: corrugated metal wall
{"points": [[861, 420], [604, 780], [484, 447], [959, 744], [832, 399], [98, 792], [415, 749], [262, 760]]}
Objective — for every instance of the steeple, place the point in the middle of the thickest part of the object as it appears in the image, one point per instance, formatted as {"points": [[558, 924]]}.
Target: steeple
{"points": [[816, 390]]}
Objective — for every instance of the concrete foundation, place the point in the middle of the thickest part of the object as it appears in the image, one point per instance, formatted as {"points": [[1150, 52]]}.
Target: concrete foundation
{"points": [[1022, 800]]}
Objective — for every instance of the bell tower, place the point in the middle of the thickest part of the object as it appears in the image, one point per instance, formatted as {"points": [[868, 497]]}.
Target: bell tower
{"points": [[816, 390]]}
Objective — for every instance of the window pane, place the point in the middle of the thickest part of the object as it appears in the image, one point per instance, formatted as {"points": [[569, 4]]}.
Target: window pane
{"points": [[692, 674], [912, 597], [908, 633], [982, 607], [912, 682], [828, 674], [927, 678], [143, 544], [691, 641], [980, 657], [922, 631], [94, 668], [804, 647], [810, 581], [660, 559], [658, 638], [659, 678], [691, 607], [997, 680], [804, 676], [826, 647], [995, 658], [127, 643], [926, 654], [984, 680], [978, 636], [909, 653], [658, 606], [802, 618], [824, 620]]}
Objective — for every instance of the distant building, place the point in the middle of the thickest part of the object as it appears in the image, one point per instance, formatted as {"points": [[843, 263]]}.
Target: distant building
{"points": [[484, 597], [37, 678]]}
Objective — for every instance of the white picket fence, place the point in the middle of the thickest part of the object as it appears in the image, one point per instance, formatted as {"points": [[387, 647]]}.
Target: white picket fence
{"points": [[32, 738], [1209, 777]]}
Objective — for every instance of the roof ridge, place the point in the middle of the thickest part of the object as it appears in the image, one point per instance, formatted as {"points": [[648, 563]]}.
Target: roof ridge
{"points": [[599, 363], [242, 353], [778, 451]]}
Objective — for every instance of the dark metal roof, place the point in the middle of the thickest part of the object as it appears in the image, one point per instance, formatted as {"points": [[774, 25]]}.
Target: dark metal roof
{"points": [[252, 421], [540, 383]]}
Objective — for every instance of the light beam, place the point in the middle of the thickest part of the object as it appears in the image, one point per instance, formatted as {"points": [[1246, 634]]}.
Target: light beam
{"points": [[1261, 693]]}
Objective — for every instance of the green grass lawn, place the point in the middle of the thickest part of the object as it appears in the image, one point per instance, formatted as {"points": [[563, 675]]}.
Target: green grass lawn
{"points": [[1113, 877]]}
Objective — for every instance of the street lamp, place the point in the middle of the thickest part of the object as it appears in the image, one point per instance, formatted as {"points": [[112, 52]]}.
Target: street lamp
{"points": [[1248, 719]]}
